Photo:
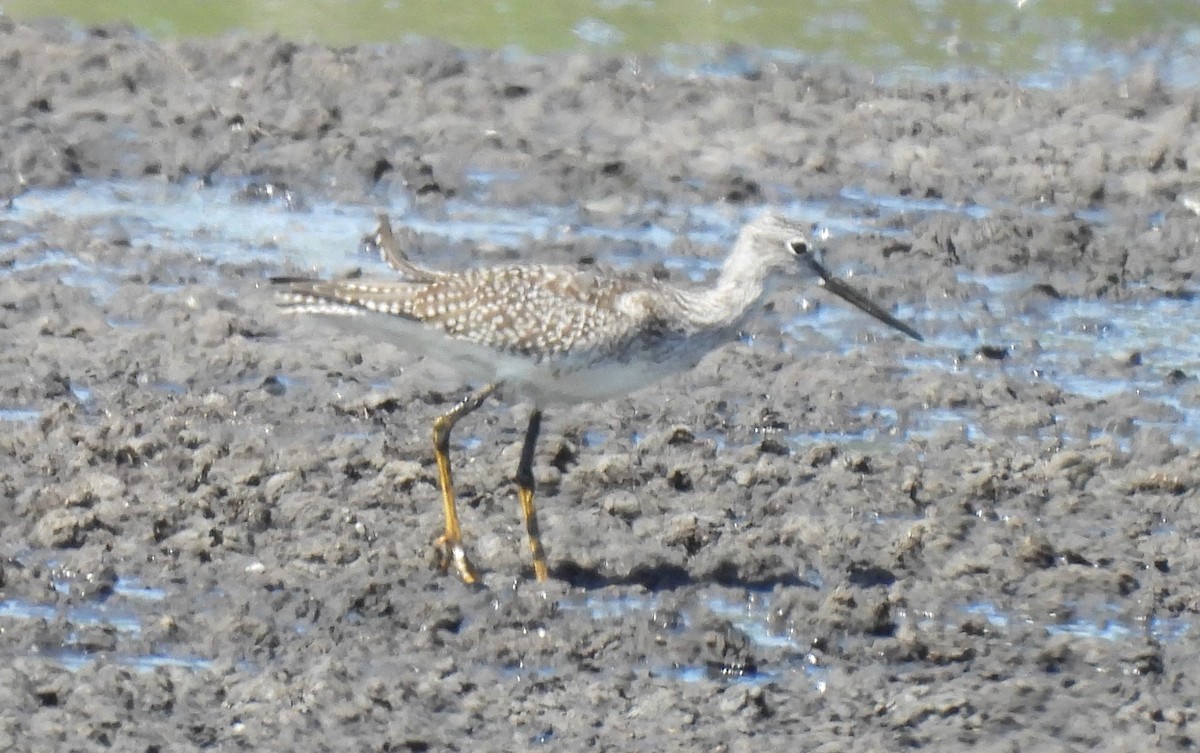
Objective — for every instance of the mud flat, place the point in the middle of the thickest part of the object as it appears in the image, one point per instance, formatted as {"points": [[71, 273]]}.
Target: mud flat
{"points": [[216, 521]]}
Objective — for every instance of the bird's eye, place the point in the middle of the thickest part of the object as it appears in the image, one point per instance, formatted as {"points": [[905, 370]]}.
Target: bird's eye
{"points": [[798, 246]]}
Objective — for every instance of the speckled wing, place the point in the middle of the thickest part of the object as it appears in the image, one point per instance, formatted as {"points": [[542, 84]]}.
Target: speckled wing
{"points": [[533, 311]]}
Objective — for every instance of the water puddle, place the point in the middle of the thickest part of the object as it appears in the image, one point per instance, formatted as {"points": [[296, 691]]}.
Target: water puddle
{"points": [[778, 645], [221, 223], [120, 611], [1144, 350], [750, 615], [1104, 627], [20, 415], [782, 648], [115, 613]]}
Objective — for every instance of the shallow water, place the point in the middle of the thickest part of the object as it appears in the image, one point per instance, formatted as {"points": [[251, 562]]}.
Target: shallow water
{"points": [[1043, 41], [131, 606], [126, 611], [1076, 345]]}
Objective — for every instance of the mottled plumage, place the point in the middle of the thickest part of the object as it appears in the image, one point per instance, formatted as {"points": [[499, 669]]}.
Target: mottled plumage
{"points": [[554, 334], [537, 312]]}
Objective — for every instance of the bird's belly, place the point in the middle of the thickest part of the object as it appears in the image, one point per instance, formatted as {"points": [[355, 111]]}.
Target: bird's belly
{"points": [[563, 380], [550, 385], [567, 380]]}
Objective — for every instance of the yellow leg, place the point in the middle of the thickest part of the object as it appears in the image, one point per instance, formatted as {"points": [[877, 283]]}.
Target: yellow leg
{"points": [[449, 544], [525, 485]]}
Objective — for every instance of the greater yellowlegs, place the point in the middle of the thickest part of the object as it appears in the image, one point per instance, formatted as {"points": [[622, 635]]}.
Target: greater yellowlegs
{"points": [[558, 335]]}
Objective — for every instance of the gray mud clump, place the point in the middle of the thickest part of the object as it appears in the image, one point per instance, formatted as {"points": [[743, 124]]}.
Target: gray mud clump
{"points": [[217, 522]]}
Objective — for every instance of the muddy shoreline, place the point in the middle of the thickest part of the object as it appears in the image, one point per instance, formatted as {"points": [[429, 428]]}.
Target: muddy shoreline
{"points": [[217, 520]]}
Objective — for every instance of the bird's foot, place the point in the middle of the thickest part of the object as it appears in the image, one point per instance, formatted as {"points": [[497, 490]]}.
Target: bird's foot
{"points": [[451, 551]]}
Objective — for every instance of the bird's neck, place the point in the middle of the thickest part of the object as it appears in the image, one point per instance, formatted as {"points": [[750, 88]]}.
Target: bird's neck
{"points": [[741, 285]]}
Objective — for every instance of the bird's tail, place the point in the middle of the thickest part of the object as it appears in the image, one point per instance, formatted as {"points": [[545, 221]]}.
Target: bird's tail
{"points": [[394, 256]]}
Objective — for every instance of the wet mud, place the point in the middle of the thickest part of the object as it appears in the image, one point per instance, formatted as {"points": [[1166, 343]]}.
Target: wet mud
{"points": [[216, 521]]}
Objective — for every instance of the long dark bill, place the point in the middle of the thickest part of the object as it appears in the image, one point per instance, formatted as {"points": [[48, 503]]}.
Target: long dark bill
{"points": [[860, 301]]}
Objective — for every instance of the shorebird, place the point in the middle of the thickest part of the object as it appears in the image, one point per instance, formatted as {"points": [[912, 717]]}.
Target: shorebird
{"points": [[558, 335]]}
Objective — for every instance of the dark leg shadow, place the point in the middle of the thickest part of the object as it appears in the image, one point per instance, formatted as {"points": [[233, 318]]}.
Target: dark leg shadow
{"points": [[668, 578]]}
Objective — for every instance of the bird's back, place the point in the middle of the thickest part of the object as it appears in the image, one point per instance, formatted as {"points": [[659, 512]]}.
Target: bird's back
{"points": [[537, 312]]}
